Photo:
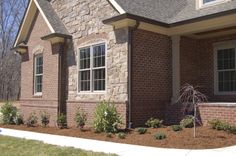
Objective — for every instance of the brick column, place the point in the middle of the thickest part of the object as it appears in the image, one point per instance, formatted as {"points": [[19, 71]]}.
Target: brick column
{"points": [[175, 68]]}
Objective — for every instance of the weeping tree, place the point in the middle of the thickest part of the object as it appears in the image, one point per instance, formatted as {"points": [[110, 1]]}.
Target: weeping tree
{"points": [[191, 96]]}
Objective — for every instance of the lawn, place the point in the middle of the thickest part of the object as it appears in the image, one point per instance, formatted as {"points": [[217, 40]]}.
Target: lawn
{"points": [[10, 146]]}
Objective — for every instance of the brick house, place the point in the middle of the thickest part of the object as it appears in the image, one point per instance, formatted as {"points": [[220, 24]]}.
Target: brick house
{"points": [[137, 53]]}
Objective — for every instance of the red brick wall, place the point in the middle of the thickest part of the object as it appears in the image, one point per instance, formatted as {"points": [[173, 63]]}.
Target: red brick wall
{"points": [[224, 112], [151, 76], [197, 68], [89, 108], [49, 99]]}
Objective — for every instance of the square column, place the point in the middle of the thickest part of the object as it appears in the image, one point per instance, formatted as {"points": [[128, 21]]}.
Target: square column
{"points": [[175, 68]]}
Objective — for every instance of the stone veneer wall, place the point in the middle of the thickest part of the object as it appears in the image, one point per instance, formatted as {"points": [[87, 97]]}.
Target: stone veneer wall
{"points": [[83, 19]]}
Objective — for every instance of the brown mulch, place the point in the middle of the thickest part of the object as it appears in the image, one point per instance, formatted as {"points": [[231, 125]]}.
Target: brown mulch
{"points": [[207, 138]]}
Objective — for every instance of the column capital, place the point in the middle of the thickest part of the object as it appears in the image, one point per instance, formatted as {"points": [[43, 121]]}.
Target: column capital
{"points": [[175, 39]]}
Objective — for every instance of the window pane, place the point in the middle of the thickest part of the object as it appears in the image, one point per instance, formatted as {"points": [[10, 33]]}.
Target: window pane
{"points": [[85, 58], [227, 81], [226, 59], [99, 79], [38, 84], [85, 80], [207, 1], [99, 56]]}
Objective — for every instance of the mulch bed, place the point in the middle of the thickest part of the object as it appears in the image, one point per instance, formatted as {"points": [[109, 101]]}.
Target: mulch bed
{"points": [[207, 138]]}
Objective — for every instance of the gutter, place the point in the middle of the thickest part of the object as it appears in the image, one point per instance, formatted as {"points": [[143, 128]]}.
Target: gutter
{"points": [[165, 24], [130, 39]]}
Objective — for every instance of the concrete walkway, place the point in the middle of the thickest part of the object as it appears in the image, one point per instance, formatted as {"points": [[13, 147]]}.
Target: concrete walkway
{"points": [[116, 148]]}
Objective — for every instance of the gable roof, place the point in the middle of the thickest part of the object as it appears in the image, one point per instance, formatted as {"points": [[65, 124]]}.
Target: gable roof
{"points": [[172, 11], [51, 18]]}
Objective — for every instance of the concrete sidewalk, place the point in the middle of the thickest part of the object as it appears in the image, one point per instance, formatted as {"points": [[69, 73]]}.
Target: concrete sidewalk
{"points": [[116, 148]]}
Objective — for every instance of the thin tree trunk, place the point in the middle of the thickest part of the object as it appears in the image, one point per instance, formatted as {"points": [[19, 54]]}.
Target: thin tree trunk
{"points": [[194, 120]]}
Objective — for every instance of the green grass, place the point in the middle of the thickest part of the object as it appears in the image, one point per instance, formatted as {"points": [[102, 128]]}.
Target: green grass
{"points": [[10, 146]]}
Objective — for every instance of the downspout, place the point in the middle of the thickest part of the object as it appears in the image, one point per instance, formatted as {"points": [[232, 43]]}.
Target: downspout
{"points": [[130, 40]]}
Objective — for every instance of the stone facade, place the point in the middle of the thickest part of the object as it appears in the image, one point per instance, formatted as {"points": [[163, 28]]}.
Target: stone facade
{"points": [[83, 20]]}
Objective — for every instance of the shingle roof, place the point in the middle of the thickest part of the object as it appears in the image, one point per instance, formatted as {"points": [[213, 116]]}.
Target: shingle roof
{"points": [[171, 11], [52, 17]]}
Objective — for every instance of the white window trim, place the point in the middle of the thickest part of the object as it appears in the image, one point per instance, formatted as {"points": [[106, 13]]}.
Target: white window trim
{"points": [[218, 46], [200, 4], [35, 66], [79, 92]]}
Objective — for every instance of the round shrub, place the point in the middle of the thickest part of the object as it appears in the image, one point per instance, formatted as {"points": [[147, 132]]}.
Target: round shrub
{"points": [[61, 121], [106, 118], [176, 128], [141, 130], [1, 118], [218, 125], [8, 112], [121, 135], [187, 122], [232, 129], [45, 118], [160, 136], [154, 123], [32, 120], [80, 118]]}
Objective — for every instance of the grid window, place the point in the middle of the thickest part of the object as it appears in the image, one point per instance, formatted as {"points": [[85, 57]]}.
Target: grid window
{"points": [[92, 72], [38, 74], [208, 1], [226, 70]]}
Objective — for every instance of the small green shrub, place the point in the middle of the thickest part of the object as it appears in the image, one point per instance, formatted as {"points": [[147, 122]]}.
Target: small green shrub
{"points": [[61, 121], [45, 118], [18, 119], [1, 117], [106, 118], [154, 123], [187, 122], [80, 118], [32, 120], [109, 135], [218, 125], [9, 112], [232, 129], [176, 128], [141, 130], [121, 135], [160, 136]]}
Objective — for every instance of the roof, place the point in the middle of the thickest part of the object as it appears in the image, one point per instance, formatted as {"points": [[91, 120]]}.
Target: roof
{"points": [[50, 16], [172, 11]]}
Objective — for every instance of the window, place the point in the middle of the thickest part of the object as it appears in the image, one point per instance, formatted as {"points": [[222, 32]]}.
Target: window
{"points": [[38, 74], [92, 70], [206, 3], [226, 69]]}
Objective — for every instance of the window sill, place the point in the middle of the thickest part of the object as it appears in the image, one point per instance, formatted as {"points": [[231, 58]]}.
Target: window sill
{"points": [[37, 96], [92, 93]]}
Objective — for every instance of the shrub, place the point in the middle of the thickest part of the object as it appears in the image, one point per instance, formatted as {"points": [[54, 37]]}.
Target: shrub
{"points": [[160, 136], [18, 119], [121, 135], [218, 125], [1, 117], [32, 120], [109, 135], [232, 129], [106, 118], [187, 122], [80, 118], [176, 128], [154, 123], [61, 121], [141, 130], [9, 112], [45, 118]]}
